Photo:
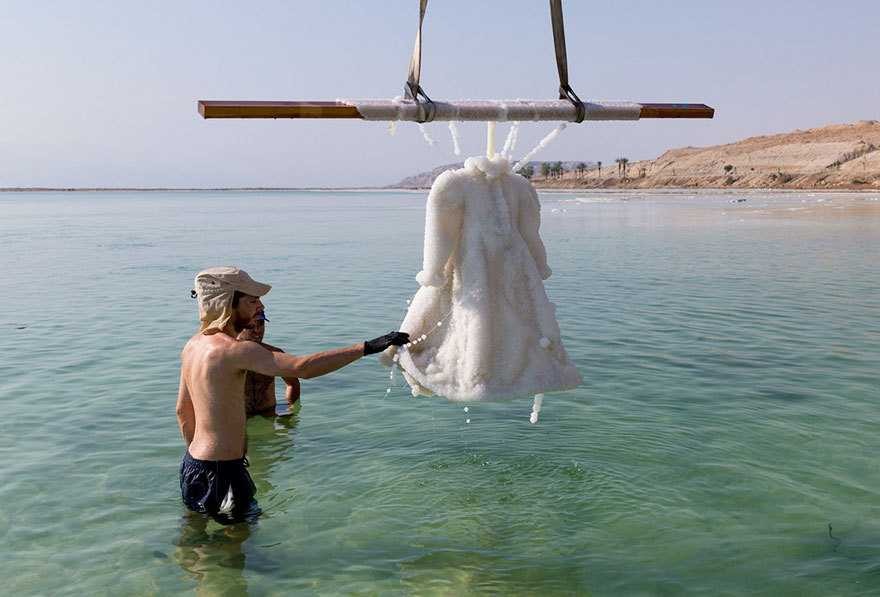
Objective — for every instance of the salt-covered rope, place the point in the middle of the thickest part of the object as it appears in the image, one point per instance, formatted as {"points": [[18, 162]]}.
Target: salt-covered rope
{"points": [[511, 139], [541, 145], [453, 129], [428, 138]]}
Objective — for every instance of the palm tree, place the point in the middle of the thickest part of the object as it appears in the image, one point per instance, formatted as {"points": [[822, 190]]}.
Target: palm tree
{"points": [[621, 167], [581, 167], [556, 169], [599, 164], [545, 169]]}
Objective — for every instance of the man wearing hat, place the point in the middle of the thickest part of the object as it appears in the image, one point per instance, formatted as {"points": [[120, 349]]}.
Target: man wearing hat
{"points": [[259, 389], [210, 402]]}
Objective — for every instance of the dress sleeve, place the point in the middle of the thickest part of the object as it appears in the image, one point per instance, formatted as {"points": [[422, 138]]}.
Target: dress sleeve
{"points": [[443, 221], [528, 224]]}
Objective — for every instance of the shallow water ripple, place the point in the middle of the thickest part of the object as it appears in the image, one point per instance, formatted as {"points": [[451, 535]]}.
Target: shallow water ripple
{"points": [[727, 417]]}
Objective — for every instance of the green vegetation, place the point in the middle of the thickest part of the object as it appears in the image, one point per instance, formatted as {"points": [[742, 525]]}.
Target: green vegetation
{"points": [[728, 168], [621, 167], [526, 172]]}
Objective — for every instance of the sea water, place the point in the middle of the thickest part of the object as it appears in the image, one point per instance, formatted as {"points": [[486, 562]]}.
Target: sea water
{"points": [[724, 440]]}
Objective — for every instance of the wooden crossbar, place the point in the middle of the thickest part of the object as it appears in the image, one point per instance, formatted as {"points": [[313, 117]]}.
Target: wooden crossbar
{"points": [[301, 109]]}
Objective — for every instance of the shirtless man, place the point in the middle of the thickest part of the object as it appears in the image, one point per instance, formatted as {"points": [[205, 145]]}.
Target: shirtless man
{"points": [[259, 389], [210, 402]]}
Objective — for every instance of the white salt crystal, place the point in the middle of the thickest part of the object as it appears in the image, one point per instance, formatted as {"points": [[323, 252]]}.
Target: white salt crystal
{"points": [[427, 136], [482, 271], [536, 408], [544, 342], [453, 128]]}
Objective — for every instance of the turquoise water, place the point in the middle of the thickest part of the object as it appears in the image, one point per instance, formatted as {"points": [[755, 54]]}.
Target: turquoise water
{"points": [[729, 411]]}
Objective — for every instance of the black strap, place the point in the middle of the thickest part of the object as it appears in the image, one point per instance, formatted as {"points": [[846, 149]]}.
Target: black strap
{"points": [[412, 89], [565, 90]]}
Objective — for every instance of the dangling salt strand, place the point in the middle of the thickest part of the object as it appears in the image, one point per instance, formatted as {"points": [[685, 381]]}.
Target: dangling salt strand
{"points": [[536, 408], [541, 145], [511, 139], [515, 138], [392, 128], [428, 137], [453, 128], [490, 139]]}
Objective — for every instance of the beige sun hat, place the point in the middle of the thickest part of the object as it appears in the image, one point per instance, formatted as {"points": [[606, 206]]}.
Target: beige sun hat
{"points": [[215, 288]]}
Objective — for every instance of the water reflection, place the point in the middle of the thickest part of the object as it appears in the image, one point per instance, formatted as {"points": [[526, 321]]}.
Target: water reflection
{"points": [[215, 555]]}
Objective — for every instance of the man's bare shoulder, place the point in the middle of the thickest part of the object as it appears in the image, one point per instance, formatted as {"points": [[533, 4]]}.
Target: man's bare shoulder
{"points": [[270, 347], [216, 346]]}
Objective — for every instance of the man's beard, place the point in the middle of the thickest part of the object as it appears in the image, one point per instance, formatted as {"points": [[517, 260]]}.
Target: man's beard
{"points": [[241, 323]]}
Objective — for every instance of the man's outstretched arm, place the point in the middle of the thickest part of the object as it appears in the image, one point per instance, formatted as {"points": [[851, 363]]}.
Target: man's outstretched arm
{"points": [[253, 357]]}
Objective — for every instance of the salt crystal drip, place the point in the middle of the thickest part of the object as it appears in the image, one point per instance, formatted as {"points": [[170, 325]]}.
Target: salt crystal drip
{"points": [[453, 128], [490, 139], [541, 145], [536, 408], [428, 137], [511, 139]]}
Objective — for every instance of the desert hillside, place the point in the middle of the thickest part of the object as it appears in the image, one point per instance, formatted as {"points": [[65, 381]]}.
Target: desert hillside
{"points": [[843, 156]]}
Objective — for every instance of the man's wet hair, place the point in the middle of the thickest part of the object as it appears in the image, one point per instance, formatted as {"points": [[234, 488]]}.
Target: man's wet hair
{"points": [[237, 297]]}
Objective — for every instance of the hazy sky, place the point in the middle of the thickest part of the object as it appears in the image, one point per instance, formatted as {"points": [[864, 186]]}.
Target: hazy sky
{"points": [[104, 93]]}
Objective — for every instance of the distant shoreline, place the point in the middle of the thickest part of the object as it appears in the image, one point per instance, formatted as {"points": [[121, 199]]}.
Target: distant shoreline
{"points": [[538, 187], [176, 189]]}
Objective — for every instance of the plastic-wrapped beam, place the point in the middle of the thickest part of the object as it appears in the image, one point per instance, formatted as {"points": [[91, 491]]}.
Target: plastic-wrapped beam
{"points": [[496, 110]]}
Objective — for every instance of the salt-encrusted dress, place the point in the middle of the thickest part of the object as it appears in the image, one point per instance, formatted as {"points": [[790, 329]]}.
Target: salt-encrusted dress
{"points": [[482, 281]]}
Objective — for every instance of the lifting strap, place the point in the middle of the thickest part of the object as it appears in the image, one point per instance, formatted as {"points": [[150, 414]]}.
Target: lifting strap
{"points": [[412, 89], [565, 90]]}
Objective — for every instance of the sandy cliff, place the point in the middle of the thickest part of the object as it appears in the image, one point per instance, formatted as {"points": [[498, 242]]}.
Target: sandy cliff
{"points": [[845, 156]]}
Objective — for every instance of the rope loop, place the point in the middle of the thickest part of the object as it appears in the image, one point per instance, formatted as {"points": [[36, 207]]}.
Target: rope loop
{"points": [[566, 92], [426, 108]]}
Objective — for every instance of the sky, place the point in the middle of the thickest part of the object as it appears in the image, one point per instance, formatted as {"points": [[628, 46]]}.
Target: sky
{"points": [[104, 93]]}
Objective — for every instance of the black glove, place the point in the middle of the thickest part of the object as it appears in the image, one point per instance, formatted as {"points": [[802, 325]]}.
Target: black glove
{"points": [[382, 342]]}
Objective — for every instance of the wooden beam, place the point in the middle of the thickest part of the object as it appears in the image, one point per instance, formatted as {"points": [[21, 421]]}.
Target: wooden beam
{"points": [[252, 109], [676, 111], [221, 109]]}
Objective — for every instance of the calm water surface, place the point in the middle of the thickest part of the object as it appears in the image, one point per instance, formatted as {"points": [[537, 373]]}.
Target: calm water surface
{"points": [[729, 412]]}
